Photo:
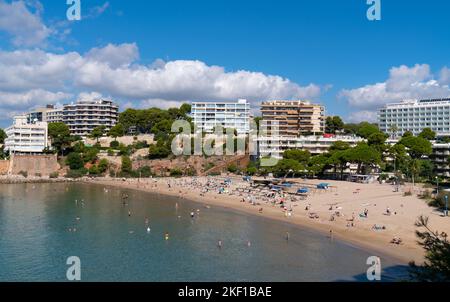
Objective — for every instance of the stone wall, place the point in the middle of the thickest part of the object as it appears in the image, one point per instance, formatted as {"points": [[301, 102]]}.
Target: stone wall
{"points": [[126, 140], [34, 165], [4, 167]]}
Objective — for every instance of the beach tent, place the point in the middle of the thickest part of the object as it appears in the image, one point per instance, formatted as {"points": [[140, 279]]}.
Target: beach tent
{"points": [[323, 186], [303, 191], [276, 188]]}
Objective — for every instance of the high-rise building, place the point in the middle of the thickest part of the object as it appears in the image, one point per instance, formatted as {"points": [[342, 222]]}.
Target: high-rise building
{"points": [[293, 118], [25, 137], [414, 116], [85, 115], [208, 115]]}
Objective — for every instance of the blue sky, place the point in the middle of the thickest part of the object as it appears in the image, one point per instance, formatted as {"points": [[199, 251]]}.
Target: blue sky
{"points": [[323, 50]]}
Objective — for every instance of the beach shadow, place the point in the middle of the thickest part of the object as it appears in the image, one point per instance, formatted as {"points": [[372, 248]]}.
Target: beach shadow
{"points": [[395, 273]]}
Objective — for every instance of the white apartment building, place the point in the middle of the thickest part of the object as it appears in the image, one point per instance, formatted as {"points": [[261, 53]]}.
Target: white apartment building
{"points": [[207, 115], [85, 115], [274, 146], [24, 137], [415, 115], [440, 156]]}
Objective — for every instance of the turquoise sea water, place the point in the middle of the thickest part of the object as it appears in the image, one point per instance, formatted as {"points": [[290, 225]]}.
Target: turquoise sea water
{"points": [[35, 240]]}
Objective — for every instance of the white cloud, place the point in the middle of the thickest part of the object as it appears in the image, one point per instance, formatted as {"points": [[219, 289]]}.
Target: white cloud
{"points": [[404, 82], [364, 115], [445, 76], [114, 71], [24, 100], [25, 27], [115, 55]]}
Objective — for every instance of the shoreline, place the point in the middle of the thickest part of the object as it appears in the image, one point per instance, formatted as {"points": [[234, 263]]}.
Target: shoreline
{"points": [[378, 242]]}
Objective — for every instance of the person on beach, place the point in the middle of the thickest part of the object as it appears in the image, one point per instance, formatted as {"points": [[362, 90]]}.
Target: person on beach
{"points": [[287, 236]]}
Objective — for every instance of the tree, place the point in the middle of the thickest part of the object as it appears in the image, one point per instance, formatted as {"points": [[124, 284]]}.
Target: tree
{"points": [[407, 134], [333, 124], [417, 146], [339, 160], [60, 137], [298, 155], [436, 267], [428, 134], [97, 132], [185, 108], [364, 155], [339, 146], [393, 129], [75, 161], [377, 140], [117, 131], [414, 169], [3, 136], [317, 164], [103, 165], [127, 166], [285, 166], [159, 150], [366, 129]]}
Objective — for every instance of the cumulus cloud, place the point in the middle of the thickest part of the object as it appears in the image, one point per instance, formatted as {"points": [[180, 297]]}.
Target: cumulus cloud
{"points": [[30, 98], [23, 25], [115, 55], [417, 82], [113, 70]]}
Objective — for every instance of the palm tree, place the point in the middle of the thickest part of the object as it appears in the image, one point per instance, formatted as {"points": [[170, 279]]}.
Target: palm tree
{"points": [[393, 129]]}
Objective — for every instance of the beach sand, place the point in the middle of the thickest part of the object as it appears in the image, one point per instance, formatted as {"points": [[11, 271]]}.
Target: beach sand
{"points": [[349, 199]]}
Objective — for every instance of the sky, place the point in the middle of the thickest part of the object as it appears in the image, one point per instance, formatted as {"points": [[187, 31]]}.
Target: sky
{"points": [[164, 53]]}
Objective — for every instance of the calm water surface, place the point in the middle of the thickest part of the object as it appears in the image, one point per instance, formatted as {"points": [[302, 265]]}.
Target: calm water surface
{"points": [[35, 240]]}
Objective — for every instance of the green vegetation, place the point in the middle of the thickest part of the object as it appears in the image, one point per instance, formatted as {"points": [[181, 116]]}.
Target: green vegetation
{"points": [[60, 137], [3, 136], [117, 131], [97, 132], [333, 124], [437, 255]]}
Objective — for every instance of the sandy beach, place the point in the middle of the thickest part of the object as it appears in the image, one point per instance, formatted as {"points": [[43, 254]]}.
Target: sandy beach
{"points": [[338, 210]]}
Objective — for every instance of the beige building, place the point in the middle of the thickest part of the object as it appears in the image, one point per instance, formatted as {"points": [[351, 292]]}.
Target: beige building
{"points": [[293, 118], [85, 115]]}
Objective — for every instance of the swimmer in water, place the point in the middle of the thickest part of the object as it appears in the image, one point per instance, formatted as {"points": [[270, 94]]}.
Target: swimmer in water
{"points": [[249, 244], [287, 236], [219, 244], [166, 236], [192, 214], [129, 214]]}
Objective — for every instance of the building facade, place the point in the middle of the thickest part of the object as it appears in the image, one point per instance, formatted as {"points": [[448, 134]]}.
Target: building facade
{"points": [[440, 158], [414, 116], [293, 118], [208, 115], [24, 137], [274, 146], [48, 114], [85, 115]]}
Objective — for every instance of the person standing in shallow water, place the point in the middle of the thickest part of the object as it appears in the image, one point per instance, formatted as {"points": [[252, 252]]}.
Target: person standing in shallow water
{"points": [[219, 244], [287, 236]]}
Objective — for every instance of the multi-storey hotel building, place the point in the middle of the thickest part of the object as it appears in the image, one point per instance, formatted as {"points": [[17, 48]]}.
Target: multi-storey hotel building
{"points": [[293, 118], [415, 115], [24, 137], [274, 146], [85, 115], [208, 115]]}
